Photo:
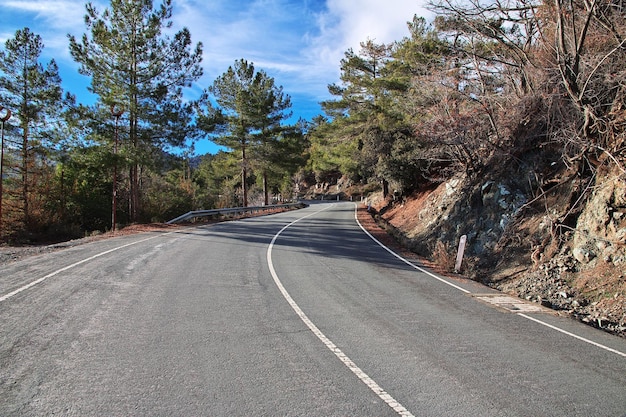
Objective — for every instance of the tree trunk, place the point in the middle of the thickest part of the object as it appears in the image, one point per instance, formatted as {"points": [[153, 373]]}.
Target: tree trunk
{"points": [[265, 190], [134, 134], [25, 169], [244, 174], [385, 188]]}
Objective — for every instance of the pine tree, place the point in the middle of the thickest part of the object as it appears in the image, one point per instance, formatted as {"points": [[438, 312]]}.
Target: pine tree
{"points": [[362, 113], [251, 108], [137, 68], [269, 153], [34, 95]]}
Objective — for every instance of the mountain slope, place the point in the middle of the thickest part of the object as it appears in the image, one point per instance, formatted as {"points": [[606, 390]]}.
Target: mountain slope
{"points": [[548, 236]]}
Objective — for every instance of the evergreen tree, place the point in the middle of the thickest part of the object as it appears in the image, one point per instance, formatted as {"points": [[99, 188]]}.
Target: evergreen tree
{"points": [[216, 177], [333, 151], [137, 68], [34, 95], [269, 155], [279, 155], [363, 111], [251, 108]]}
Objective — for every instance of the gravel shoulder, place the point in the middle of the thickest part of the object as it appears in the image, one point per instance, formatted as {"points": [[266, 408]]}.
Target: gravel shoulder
{"points": [[12, 253]]}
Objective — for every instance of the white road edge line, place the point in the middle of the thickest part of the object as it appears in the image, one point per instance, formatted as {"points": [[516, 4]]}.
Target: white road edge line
{"points": [[382, 394], [406, 261], [591, 342], [543, 323], [58, 271]]}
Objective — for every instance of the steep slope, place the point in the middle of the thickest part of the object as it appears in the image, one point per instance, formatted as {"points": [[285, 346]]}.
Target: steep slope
{"points": [[546, 235]]}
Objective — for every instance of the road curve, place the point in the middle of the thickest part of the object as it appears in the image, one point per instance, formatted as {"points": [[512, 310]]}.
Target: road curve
{"points": [[295, 314]]}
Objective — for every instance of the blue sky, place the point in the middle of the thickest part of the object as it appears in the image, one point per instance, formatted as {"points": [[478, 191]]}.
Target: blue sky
{"points": [[298, 42]]}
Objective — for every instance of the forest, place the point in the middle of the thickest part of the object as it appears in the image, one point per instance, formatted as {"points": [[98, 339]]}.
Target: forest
{"points": [[483, 85]]}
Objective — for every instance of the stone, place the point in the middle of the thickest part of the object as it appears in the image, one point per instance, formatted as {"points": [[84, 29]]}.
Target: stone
{"points": [[583, 255], [451, 186]]}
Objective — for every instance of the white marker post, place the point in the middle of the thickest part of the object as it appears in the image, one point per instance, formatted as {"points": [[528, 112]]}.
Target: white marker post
{"points": [[459, 254]]}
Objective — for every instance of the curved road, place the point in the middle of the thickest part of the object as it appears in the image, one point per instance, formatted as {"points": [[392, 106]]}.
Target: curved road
{"points": [[295, 314]]}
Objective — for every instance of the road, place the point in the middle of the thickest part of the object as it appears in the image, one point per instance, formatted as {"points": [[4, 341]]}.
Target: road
{"points": [[294, 314]]}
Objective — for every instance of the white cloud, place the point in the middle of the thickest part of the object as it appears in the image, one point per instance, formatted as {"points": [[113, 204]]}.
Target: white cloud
{"points": [[51, 19], [298, 42], [269, 33], [57, 12], [51, 16], [347, 23]]}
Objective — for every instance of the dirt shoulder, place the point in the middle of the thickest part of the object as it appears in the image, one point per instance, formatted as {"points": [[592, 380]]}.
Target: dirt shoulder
{"points": [[12, 253]]}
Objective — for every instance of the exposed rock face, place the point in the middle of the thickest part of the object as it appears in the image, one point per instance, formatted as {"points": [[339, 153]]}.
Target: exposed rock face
{"points": [[564, 247], [601, 229]]}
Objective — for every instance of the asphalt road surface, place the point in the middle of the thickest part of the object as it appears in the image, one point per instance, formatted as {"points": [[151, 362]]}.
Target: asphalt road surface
{"points": [[294, 314]]}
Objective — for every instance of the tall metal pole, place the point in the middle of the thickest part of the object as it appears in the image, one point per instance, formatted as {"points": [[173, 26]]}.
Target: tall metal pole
{"points": [[117, 114], [3, 120]]}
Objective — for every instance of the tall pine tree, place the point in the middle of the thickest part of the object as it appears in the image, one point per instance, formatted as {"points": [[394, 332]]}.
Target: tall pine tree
{"points": [[138, 68], [34, 95], [363, 112], [248, 118]]}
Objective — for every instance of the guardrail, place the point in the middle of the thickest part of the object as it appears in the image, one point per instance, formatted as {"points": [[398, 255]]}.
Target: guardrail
{"points": [[233, 210]]}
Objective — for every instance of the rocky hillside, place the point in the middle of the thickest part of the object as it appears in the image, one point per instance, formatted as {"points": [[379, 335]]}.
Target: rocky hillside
{"points": [[544, 235]]}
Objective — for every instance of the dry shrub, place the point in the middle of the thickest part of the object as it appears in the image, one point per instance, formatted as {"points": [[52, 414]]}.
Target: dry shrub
{"points": [[442, 257]]}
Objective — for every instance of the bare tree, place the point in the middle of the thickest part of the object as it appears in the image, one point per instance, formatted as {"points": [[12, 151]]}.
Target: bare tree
{"points": [[589, 47]]}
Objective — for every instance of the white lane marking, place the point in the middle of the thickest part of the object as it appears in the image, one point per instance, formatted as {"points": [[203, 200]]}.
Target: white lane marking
{"points": [[382, 394], [591, 342], [601, 346], [58, 271], [403, 259]]}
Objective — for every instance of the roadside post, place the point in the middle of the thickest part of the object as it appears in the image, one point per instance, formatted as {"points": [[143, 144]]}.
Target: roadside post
{"points": [[459, 254], [3, 119]]}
